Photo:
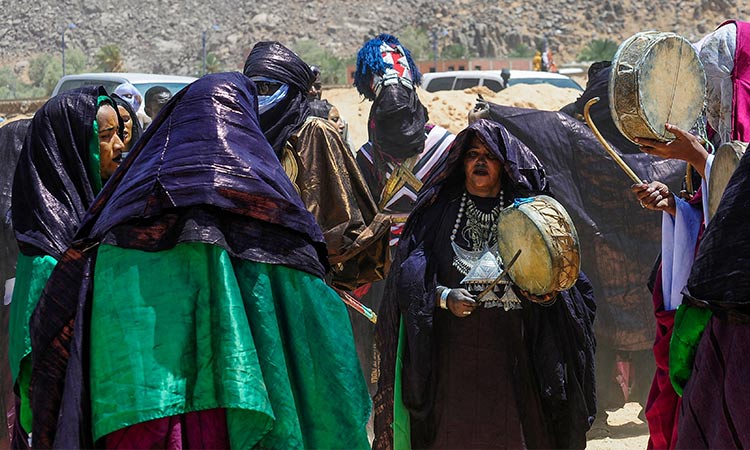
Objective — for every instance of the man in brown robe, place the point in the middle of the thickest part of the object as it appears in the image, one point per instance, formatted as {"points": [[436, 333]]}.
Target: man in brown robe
{"points": [[319, 163]]}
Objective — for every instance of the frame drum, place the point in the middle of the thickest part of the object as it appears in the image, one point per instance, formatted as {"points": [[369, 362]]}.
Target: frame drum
{"points": [[726, 159], [550, 257], [656, 78]]}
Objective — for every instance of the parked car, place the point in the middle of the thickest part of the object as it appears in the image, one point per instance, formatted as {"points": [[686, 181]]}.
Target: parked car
{"points": [[459, 80], [110, 80]]}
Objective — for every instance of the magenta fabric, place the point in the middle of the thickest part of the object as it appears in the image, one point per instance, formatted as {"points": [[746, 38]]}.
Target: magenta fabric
{"points": [[663, 405], [196, 430], [741, 79]]}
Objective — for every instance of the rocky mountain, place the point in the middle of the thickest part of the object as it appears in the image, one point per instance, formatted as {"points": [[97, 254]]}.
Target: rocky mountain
{"points": [[165, 36]]}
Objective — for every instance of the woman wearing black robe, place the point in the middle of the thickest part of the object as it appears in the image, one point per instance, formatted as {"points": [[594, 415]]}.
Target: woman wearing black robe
{"points": [[60, 170], [491, 378]]}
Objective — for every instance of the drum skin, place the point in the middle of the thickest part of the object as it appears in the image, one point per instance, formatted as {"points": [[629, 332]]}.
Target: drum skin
{"points": [[726, 159], [550, 257], [656, 78]]}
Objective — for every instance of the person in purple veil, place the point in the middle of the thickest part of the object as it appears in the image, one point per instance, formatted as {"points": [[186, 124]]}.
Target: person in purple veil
{"points": [[191, 310]]}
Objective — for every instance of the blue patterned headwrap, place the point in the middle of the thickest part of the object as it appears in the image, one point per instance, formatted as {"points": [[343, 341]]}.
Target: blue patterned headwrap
{"points": [[370, 63]]}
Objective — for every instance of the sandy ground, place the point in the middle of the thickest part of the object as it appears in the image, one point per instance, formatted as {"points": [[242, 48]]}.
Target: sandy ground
{"points": [[620, 429], [449, 109], [614, 430]]}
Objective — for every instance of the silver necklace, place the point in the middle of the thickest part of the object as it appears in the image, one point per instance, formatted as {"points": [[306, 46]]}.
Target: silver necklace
{"points": [[478, 232], [481, 264]]}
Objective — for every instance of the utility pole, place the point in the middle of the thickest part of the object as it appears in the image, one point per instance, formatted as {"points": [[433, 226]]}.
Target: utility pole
{"points": [[69, 27], [435, 47], [203, 41]]}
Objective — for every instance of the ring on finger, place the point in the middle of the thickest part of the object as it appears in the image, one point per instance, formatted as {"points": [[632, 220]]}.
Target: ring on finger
{"points": [[466, 313], [641, 203]]}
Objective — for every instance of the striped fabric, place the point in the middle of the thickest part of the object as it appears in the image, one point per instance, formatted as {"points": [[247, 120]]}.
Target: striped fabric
{"points": [[400, 204]]}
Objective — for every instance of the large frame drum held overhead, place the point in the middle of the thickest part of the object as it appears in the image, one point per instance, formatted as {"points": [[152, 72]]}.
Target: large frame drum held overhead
{"points": [[541, 228], [656, 78]]}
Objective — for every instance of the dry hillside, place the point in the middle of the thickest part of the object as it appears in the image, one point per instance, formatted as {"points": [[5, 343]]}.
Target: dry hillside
{"points": [[165, 36]]}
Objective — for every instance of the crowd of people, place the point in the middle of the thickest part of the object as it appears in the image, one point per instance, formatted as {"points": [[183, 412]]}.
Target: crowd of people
{"points": [[182, 260]]}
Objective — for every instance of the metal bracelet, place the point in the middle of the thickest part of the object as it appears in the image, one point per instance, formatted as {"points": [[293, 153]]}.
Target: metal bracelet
{"points": [[444, 298]]}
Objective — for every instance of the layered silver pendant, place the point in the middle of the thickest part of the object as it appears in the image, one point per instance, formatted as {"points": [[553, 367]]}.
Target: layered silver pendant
{"points": [[481, 269]]}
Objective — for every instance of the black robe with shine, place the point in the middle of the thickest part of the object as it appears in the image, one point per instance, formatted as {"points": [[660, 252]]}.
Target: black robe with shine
{"points": [[549, 382]]}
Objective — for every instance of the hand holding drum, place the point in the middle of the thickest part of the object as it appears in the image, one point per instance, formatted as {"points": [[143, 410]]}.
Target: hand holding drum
{"points": [[656, 91], [684, 146], [656, 79]]}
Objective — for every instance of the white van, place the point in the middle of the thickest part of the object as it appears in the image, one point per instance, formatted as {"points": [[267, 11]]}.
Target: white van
{"points": [[110, 80], [459, 80]]}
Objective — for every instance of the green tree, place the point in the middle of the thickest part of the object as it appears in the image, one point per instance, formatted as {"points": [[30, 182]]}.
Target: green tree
{"points": [[109, 59], [332, 67], [39, 66], [417, 40], [213, 63], [454, 51], [11, 86], [75, 61], [598, 50], [8, 82], [45, 70], [521, 51]]}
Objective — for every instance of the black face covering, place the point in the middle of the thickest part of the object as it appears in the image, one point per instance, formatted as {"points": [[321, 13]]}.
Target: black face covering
{"points": [[273, 60], [397, 120]]}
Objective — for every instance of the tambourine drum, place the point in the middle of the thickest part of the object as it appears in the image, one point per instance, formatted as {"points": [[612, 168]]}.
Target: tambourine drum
{"points": [[726, 159], [550, 257], [656, 78]]}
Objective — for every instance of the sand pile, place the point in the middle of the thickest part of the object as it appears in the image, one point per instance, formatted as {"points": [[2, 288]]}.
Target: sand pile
{"points": [[450, 108], [5, 120]]}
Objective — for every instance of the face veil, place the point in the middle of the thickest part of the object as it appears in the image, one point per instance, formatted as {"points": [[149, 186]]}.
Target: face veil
{"points": [[272, 61]]}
